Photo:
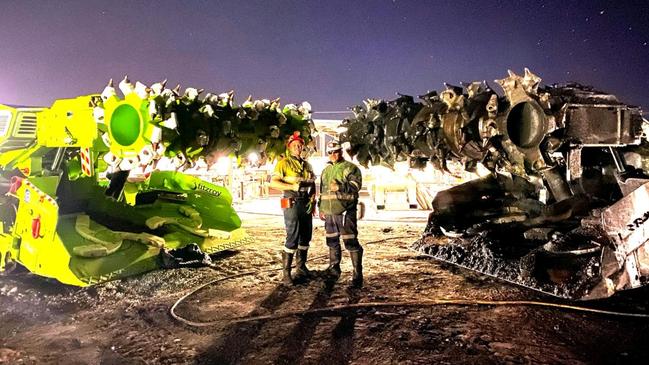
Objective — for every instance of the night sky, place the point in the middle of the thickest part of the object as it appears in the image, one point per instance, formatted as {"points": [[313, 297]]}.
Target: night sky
{"points": [[332, 53]]}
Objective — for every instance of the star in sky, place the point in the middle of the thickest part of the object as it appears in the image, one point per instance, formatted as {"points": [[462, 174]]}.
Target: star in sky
{"points": [[333, 54]]}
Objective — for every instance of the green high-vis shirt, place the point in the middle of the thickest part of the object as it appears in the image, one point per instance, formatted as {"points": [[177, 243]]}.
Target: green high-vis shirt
{"points": [[349, 179]]}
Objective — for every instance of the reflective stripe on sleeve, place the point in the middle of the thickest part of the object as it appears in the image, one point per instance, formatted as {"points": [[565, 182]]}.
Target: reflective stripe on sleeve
{"points": [[337, 197]]}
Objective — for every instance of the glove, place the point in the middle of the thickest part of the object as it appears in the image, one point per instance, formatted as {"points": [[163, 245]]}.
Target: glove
{"points": [[333, 186]]}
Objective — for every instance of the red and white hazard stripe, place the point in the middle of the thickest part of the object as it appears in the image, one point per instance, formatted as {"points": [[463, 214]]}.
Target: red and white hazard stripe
{"points": [[86, 161]]}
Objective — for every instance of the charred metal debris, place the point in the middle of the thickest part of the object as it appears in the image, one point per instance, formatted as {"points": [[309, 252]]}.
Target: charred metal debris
{"points": [[564, 203]]}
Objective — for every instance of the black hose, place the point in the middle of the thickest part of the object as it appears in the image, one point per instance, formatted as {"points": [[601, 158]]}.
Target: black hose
{"points": [[334, 310]]}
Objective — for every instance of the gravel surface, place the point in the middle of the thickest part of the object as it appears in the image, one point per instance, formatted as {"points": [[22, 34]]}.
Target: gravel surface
{"points": [[128, 321]]}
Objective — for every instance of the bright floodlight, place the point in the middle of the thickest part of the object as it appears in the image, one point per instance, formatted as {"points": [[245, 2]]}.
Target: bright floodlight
{"points": [[223, 165], [253, 157]]}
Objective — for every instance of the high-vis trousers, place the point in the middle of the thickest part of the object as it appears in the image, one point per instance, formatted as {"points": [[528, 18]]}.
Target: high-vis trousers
{"points": [[342, 226]]}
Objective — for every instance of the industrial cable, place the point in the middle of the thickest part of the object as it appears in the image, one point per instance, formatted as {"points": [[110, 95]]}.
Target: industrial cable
{"points": [[200, 287], [419, 303]]}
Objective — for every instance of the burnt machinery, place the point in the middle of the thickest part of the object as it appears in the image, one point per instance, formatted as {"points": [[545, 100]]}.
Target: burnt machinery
{"points": [[563, 199]]}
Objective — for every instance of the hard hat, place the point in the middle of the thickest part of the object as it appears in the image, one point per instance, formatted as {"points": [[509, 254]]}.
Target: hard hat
{"points": [[294, 137], [333, 146]]}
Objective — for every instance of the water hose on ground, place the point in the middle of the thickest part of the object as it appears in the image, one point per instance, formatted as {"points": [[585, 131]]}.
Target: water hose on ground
{"points": [[334, 310]]}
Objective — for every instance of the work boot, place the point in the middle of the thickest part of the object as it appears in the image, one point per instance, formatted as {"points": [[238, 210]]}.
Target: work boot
{"points": [[357, 262], [333, 271], [301, 271], [287, 261]]}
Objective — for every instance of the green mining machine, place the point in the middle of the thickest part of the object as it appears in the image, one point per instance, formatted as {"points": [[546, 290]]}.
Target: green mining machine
{"points": [[83, 198]]}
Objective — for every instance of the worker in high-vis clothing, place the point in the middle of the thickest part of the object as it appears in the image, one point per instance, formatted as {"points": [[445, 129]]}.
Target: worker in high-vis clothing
{"points": [[340, 183], [294, 176]]}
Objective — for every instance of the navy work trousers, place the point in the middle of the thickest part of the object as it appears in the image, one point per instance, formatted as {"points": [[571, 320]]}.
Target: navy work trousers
{"points": [[299, 225]]}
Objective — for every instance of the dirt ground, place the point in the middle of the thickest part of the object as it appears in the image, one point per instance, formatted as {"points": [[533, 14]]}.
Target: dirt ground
{"points": [[129, 322]]}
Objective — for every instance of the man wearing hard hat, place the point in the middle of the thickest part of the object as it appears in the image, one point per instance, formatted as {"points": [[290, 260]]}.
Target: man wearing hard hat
{"points": [[294, 176], [340, 184]]}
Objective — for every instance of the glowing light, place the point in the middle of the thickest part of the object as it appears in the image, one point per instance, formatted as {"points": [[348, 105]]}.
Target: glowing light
{"points": [[318, 163], [401, 167], [253, 158], [223, 165]]}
